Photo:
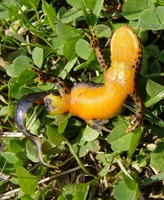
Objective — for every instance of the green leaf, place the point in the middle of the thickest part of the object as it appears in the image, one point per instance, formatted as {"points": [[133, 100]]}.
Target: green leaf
{"points": [[155, 99], [119, 139], [149, 20], [132, 8], [63, 126], [3, 100], [3, 12], [9, 157], [66, 32], [19, 65], [155, 67], [58, 44], [27, 197], [155, 91], [161, 2], [50, 13], [82, 49], [85, 13], [134, 141], [102, 30], [61, 198], [78, 191], [37, 56], [32, 152], [34, 128], [93, 146], [74, 3], [153, 179], [53, 135], [160, 11], [80, 139], [143, 35], [90, 134], [161, 56], [105, 170], [157, 157], [153, 50], [90, 4], [71, 15], [153, 88], [106, 158], [61, 12], [16, 146], [126, 189], [28, 182], [63, 74], [69, 48], [4, 111], [59, 118], [96, 11], [82, 65], [83, 150], [153, 119], [29, 3], [16, 84]]}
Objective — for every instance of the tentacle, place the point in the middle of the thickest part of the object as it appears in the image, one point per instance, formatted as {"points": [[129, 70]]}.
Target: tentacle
{"points": [[23, 107]]}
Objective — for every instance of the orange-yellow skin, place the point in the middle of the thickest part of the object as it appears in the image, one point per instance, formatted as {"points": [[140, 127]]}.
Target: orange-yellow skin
{"points": [[105, 101]]}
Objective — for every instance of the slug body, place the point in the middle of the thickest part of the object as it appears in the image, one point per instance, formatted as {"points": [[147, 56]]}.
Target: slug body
{"points": [[95, 103]]}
